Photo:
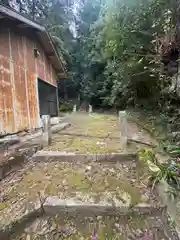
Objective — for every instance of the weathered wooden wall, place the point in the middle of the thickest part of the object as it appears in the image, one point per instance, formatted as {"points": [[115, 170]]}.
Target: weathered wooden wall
{"points": [[19, 70]]}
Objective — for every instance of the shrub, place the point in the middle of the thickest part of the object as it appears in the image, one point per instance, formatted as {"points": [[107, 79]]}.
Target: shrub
{"points": [[65, 107]]}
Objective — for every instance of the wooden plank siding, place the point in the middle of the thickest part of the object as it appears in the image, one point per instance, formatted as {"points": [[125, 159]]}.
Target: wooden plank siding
{"points": [[19, 71]]}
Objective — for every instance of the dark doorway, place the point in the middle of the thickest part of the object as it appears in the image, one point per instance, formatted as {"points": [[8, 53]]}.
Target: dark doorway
{"points": [[47, 99]]}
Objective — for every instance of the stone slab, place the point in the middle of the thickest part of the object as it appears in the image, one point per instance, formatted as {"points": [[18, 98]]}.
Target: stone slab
{"points": [[54, 205], [21, 221], [20, 153], [16, 139], [73, 157], [16, 158], [54, 120], [60, 127]]}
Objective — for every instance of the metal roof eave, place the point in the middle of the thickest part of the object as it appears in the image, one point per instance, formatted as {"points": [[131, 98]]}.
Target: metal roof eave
{"points": [[42, 34]]}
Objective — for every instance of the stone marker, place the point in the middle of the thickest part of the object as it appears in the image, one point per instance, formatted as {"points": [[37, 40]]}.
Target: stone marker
{"points": [[90, 108], [46, 135], [74, 109], [123, 127]]}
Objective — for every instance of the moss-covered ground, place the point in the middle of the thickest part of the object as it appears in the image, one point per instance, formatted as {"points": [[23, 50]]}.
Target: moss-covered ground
{"points": [[89, 182]]}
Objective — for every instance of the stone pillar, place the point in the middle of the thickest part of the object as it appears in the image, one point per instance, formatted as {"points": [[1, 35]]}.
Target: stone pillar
{"points": [[123, 127], [90, 109], [46, 135], [74, 109], [1, 127]]}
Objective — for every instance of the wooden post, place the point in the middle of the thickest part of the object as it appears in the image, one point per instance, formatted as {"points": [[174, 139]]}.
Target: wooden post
{"points": [[47, 135], [123, 127]]}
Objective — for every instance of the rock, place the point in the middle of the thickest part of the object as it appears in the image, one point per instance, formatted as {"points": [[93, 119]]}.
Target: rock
{"points": [[88, 168], [111, 170], [117, 225], [99, 218], [100, 143]]}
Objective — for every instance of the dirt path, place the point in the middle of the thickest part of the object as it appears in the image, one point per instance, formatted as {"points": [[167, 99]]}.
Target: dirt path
{"points": [[89, 134], [121, 184]]}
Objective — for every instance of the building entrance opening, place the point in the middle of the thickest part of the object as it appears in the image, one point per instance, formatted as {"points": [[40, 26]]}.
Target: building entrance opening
{"points": [[47, 99]]}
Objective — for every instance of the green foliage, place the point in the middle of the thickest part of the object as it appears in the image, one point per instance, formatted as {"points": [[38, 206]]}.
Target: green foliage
{"points": [[57, 16], [147, 154], [167, 171], [166, 174], [116, 52], [66, 107], [173, 150], [119, 59], [172, 193]]}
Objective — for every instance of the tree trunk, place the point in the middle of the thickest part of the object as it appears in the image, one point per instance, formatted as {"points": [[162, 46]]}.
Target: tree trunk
{"points": [[33, 9], [177, 17]]}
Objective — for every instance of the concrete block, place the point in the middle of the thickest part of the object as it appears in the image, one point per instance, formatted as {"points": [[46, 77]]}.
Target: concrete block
{"points": [[59, 127], [90, 109], [123, 128], [73, 157], [54, 205], [47, 134], [54, 120], [74, 109]]}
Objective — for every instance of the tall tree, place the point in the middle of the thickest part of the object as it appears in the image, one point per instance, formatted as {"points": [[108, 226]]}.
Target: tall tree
{"points": [[121, 49]]}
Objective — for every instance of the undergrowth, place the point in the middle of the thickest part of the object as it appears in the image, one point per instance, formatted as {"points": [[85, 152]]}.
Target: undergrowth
{"points": [[169, 171]]}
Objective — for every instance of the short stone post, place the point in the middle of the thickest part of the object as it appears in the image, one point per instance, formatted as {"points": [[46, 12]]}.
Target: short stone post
{"points": [[1, 127], [90, 109], [74, 109], [123, 127], [46, 135]]}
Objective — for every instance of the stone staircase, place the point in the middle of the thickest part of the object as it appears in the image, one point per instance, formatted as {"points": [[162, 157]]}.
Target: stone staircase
{"points": [[86, 197], [73, 195]]}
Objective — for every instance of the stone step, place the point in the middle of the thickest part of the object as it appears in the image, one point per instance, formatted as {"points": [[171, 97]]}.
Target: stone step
{"points": [[57, 120], [57, 218], [24, 150], [47, 156], [17, 157], [93, 183], [59, 127], [54, 205]]}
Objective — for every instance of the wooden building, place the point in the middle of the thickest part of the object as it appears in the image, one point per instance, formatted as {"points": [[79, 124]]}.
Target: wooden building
{"points": [[29, 69]]}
